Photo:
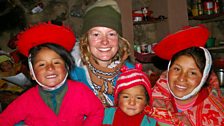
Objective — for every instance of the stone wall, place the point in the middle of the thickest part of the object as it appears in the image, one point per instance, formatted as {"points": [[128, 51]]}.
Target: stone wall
{"points": [[67, 11]]}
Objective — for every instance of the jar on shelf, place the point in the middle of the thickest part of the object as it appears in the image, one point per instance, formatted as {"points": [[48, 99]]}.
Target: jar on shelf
{"points": [[208, 7], [194, 9], [137, 15]]}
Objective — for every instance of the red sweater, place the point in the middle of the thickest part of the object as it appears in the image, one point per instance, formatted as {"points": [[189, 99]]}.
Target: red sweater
{"points": [[78, 102]]}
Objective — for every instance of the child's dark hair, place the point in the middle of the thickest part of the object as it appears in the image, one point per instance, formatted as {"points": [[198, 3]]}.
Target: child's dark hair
{"points": [[65, 55]]}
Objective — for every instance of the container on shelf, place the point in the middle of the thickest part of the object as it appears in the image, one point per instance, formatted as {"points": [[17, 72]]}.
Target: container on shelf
{"points": [[220, 75], [210, 42], [137, 15], [144, 48], [216, 6], [208, 7]]}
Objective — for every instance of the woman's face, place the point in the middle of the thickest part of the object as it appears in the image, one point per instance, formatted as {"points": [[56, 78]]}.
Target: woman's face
{"points": [[49, 67], [103, 43], [133, 100], [184, 76]]}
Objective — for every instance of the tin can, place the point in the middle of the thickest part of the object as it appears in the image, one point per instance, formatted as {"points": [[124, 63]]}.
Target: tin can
{"points": [[208, 7]]}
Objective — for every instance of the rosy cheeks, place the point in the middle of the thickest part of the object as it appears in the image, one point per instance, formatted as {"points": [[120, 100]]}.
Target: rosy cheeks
{"points": [[49, 69], [184, 76], [132, 101], [103, 43]]}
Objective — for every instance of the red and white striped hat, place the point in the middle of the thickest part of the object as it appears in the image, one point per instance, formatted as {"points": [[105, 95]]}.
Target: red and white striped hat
{"points": [[130, 78]]}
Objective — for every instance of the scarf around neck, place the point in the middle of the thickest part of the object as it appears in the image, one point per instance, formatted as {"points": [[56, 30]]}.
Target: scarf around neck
{"points": [[122, 119], [103, 77]]}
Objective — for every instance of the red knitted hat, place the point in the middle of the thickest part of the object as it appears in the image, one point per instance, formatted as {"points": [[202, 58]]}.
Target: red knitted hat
{"points": [[45, 33], [130, 78], [183, 39]]}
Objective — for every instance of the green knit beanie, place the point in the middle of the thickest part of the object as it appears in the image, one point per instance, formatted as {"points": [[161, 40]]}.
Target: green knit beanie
{"points": [[103, 13]]}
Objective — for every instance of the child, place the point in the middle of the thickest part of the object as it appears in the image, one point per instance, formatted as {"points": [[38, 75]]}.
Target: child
{"points": [[56, 100], [9, 91], [186, 91], [132, 94], [7, 66]]}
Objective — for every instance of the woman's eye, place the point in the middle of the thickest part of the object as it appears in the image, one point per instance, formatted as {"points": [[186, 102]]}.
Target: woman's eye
{"points": [[112, 34], [176, 68], [95, 34], [193, 73], [56, 62]]}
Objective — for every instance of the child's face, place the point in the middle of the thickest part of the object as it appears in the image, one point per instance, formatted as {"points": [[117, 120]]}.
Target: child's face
{"points": [[184, 76], [132, 101], [6, 66], [49, 67]]}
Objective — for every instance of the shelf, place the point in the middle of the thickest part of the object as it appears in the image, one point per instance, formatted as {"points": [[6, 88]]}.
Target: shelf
{"points": [[218, 49], [151, 21], [144, 57], [208, 18]]}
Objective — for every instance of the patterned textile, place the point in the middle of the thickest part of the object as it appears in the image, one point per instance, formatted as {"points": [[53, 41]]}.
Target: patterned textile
{"points": [[208, 109], [163, 115]]}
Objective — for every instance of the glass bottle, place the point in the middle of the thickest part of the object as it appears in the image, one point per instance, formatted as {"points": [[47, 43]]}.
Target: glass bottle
{"points": [[200, 7], [194, 9], [216, 6]]}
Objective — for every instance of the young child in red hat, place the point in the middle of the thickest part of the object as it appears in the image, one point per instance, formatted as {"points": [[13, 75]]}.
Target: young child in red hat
{"points": [[56, 100], [185, 91], [132, 94]]}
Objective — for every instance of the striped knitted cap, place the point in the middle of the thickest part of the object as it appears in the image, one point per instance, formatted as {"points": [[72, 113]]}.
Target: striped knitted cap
{"points": [[130, 78]]}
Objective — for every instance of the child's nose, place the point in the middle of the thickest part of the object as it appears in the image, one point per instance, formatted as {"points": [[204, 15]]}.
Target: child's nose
{"points": [[50, 67], [132, 101]]}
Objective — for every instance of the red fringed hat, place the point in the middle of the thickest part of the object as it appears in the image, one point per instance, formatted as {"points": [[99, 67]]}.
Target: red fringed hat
{"points": [[130, 78], [45, 33], [183, 39]]}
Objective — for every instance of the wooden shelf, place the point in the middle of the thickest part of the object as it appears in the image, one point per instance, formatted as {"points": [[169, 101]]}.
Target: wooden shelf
{"points": [[218, 49], [208, 18], [151, 21]]}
